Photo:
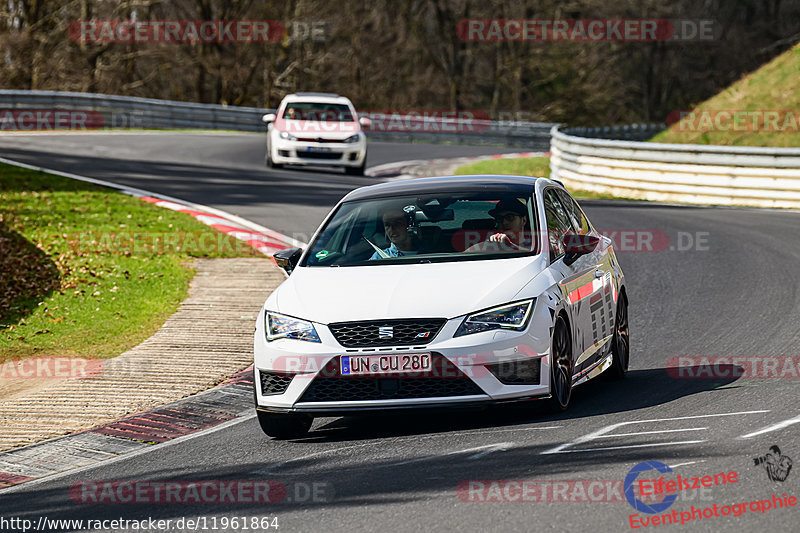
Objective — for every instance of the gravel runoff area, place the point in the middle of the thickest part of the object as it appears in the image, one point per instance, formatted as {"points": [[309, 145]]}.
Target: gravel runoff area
{"points": [[208, 339]]}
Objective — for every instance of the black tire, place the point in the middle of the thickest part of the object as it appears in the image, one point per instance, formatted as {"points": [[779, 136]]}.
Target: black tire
{"points": [[356, 171], [284, 426], [268, 159], [620, 344], [560, 367]]}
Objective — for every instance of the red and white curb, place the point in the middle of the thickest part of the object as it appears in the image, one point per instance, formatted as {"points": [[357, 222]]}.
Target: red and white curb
{"points": [[227, 404], [263, 239]]}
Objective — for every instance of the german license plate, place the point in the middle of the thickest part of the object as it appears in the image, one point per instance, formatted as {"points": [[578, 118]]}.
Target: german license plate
{"points": [[318, 149], [359, 365]]}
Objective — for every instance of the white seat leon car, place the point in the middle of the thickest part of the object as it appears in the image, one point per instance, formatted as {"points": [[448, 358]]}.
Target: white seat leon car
{"points": [[440, 292], [316, 129]]}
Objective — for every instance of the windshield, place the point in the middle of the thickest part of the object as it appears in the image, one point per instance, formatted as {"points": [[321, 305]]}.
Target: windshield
{"points": [[434, 228], [318, 111]]}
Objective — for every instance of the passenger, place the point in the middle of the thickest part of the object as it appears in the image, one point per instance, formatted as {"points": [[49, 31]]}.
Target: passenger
{"points": [[511, 217], [402, 242]]}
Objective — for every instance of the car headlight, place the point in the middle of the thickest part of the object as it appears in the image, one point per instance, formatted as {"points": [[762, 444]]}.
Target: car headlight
{"points": [[282, 326], [287, 136], [352, 139], [510, 316]]}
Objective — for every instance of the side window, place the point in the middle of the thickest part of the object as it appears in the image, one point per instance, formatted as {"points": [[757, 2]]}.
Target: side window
{"points": [[578, 219], [558, 223]]}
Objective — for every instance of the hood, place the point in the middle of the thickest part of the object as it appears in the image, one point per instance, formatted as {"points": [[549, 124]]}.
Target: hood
{"points": [[448, 290]]}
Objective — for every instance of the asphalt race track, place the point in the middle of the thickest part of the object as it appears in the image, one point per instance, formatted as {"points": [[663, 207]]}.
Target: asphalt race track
{"points": [[732, 291], [223, 171]]}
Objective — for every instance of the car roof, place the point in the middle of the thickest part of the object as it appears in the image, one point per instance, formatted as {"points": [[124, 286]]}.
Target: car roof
{"points": [[326, 98], [488, 182]]}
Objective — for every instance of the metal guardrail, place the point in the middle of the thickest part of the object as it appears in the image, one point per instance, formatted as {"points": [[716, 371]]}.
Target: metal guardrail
{"points": [[697, 174], [628, 132], [122, 112]]}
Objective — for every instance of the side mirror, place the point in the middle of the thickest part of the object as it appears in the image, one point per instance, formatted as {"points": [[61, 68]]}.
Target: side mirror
{"points": [[268, 118], [287, 259], [365, 122], [577, 245]]}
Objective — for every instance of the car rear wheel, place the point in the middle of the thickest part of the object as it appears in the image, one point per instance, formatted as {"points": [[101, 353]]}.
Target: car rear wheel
{"points": [[620, 348], [284, 426], [560, 367]]}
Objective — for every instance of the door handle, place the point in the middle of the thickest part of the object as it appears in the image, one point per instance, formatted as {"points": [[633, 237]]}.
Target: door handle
{"points": [[599, 273]]}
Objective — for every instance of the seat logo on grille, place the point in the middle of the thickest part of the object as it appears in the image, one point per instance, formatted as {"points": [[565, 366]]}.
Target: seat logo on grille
{"points": [[385, 332]]}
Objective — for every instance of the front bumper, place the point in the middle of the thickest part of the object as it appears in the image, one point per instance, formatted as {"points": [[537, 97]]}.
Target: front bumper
{"points": [[472, 355], [286, 152]]}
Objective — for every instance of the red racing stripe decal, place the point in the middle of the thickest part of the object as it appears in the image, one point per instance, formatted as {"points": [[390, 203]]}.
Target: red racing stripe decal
{"points": [[583, 291]]}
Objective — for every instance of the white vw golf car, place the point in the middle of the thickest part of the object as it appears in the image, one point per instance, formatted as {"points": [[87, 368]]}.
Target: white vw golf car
{"points": [[316, 129], [438, 292]]}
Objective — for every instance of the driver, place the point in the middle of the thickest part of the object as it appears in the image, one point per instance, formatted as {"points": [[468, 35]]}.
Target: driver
{"points": [[395, 225], [511, 217]]}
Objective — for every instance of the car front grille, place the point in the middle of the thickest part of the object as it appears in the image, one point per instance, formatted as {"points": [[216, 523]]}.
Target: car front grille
{"points": [[319, 155], [272, 383], [318, 140], [444, 380], [411, 332]]}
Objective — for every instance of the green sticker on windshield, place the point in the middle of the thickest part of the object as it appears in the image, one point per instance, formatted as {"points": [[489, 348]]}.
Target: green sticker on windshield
{"points": [[323, 254]]}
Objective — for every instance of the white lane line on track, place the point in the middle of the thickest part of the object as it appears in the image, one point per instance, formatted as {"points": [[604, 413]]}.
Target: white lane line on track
{"points": [[774, 427], [486, 450], [482, 451], [605, 448], [687, 464], [270, 469], [180, 440], [604, 432], [649, 432]]}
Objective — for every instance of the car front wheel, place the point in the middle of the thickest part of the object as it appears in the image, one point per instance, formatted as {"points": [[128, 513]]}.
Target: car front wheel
{"points": [[268, 158], [356, 171], [621, 347], [560, 367], [284, 426]]}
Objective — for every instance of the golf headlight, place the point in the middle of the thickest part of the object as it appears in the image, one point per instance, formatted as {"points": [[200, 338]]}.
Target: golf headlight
{"points": [[352, 139], [282, 326], [287, 136], [512, 316]]}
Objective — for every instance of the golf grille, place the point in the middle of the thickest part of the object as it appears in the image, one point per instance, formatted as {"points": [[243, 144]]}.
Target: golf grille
{"points": [[409, 332]]}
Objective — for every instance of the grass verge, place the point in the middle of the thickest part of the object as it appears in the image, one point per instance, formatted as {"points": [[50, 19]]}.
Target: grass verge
{"points": [[89, 272], [761, 109]]}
